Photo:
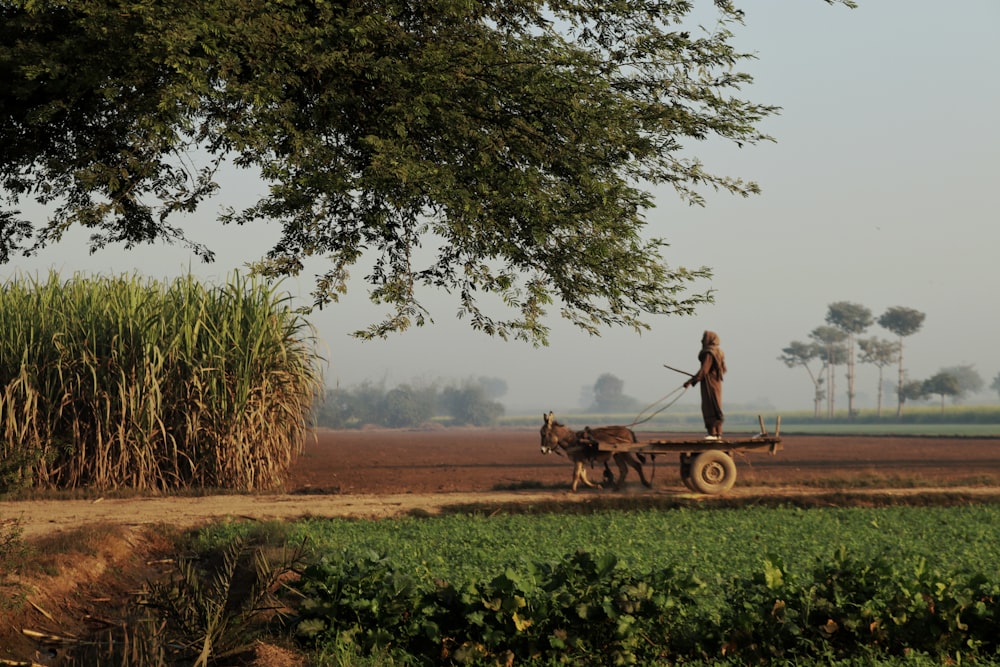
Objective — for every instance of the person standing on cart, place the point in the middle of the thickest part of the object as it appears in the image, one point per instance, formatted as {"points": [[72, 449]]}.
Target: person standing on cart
{"points": [[713, 367]]}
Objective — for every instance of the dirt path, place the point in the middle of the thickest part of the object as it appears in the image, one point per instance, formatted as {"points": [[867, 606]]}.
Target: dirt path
{"points": [[43, 517]]}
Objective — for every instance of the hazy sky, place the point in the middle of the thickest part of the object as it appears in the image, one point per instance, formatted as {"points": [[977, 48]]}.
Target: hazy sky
{"points": [[881, 190]]}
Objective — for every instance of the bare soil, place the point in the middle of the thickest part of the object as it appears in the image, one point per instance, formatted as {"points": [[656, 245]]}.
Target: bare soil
{"points": [[385, 473], [382, 473]]}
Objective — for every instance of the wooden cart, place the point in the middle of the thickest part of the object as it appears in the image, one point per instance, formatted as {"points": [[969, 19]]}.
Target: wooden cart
{"points": [[707, 466]]}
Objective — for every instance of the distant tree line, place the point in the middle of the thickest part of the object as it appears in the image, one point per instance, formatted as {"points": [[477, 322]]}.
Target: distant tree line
{"points": [[840, 342], [471, 402]]}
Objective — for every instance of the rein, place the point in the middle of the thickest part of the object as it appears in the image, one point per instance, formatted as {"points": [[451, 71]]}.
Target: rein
{"points": [[641, 420]]}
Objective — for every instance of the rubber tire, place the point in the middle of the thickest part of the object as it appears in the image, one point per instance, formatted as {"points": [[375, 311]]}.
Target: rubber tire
{"points": [[713, 472]]}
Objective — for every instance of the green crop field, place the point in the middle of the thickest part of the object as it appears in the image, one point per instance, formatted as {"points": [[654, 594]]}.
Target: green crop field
{"points": [[892, 585], [707, 543]]}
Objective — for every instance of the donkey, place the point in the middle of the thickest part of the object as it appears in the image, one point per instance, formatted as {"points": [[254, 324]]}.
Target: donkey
{"points": [[581, 447]]}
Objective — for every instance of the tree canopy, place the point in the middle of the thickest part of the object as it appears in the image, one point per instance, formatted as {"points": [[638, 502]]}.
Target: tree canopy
{"points": [[967, 377], [942, 384], [609, 395], [517, 141], [902, 321]]}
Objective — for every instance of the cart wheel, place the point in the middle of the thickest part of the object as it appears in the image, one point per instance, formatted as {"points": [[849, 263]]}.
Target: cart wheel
{"points": [[713, 471]]}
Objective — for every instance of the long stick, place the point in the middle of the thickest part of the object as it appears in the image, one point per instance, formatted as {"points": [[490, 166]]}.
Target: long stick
{"points": [[690, 375]]}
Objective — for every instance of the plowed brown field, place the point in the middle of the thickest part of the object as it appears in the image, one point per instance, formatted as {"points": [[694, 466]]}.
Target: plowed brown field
{"points": [[378, 473], [480, 460]]}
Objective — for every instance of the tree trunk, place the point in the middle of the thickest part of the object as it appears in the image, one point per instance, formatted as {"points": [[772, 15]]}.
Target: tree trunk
{"points": [[899, 389], [850, 377], [830, 399], [879, 399]]}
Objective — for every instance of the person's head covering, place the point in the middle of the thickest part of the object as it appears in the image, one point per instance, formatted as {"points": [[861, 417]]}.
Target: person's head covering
{"points": [[710, 345]]}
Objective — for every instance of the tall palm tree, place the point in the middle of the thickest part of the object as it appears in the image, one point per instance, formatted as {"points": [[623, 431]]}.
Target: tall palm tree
{"points": [[852, 319], [903, 322]]}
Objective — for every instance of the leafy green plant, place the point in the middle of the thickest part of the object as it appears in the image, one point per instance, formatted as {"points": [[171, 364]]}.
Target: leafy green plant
{"points": [[583, 609], [359, 601], [849, 606], [781, 585], [590, 610]]}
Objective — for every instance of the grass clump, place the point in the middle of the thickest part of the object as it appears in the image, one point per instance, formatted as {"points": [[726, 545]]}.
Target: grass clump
{"points": [[13, 549]]}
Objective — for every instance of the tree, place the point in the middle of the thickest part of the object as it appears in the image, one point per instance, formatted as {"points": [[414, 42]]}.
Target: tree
{"points": [[853, 319], [346, 408], [800, 354], [367, 403], [470, 404], [609, 395], [493, 387], [407, 406], [336, 410], [510, 138], [831, 341], [968, 379], [913, 390], [903, 322], [942, 384], [995, 385], [879, 353]]}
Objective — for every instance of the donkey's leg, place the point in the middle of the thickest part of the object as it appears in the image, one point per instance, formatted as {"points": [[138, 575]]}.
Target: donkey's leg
{"points": [[622, 469], [638, 468], [581, 475], [577, 465], [609, 477], [586, 480]]}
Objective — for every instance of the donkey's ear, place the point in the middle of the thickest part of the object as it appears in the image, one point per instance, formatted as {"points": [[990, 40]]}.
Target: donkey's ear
{"points": [[549, 417]]}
